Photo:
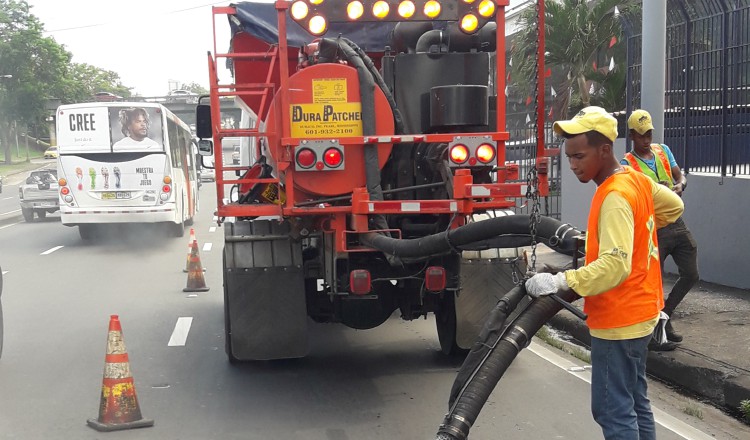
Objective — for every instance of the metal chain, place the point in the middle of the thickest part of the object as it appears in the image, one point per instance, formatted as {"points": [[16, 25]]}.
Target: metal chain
{"points": [[532, 178]]}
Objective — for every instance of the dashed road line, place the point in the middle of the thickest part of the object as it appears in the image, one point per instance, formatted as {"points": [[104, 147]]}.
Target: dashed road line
{"points": [[207, 246], [8, 226], [49, 251], [180, 332]]}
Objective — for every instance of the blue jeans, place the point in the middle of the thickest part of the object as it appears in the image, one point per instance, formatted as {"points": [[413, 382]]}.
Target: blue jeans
{"points": [[618, 389]]}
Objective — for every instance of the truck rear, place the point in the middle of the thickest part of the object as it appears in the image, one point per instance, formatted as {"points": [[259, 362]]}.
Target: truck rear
{"points": [[376, 180]]}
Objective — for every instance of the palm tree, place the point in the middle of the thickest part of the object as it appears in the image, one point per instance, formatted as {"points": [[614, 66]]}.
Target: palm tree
{"points": [[579, 34]]}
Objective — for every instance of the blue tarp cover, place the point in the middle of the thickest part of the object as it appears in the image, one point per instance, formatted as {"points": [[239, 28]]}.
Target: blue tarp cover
{"points": [[260, 20]]}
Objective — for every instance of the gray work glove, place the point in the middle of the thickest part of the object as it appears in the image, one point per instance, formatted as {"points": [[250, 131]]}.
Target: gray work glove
{"points": [[543, 284]]}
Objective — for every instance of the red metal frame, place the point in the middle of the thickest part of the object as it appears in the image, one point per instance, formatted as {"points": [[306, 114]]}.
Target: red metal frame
{"points": [[468, 198]]}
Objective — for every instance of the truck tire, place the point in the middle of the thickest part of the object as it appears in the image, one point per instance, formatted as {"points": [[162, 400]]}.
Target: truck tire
{"points": [[28, 214], [445, 319]]}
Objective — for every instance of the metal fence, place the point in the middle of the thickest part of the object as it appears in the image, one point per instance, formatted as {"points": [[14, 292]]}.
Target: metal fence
{"points": [[707, 106]]}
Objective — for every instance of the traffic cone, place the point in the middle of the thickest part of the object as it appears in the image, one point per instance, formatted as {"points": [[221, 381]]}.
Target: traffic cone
{"points": [[190, 250], [195, 281], [118, 408]]}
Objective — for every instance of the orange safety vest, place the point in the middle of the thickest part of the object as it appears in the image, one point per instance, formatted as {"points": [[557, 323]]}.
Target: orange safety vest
{"points": [[662, 165], [640, 297]]}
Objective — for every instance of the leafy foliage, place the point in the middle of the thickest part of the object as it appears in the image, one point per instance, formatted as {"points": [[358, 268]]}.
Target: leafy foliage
{"points": [[194, 87], [580, 37]]}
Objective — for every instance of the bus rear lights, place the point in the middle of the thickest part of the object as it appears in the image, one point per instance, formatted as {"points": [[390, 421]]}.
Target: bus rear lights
{"points": [[166, 188], [68, 198], [333, 157], [64, 190], [486, 153], [62, 181], [434, 280], [306, 158], [359, 282], [167, 180], [459, 153]]}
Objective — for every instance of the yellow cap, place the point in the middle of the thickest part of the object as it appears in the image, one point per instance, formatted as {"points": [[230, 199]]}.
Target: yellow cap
{"points": [[589, 119], [640, 121]]}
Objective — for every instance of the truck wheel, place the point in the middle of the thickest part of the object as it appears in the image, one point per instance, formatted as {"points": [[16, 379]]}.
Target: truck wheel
{"points": [[445, 318], [28, 214], [227, 327], [41, 214]]}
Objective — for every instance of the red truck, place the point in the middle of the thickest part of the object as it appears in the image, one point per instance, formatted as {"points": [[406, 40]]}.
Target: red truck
{"points": [[377, 179]]}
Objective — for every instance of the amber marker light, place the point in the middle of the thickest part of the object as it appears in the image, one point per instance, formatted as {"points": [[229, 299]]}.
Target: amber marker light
{"points": [[468, 2], [354, 10], [469, 23], [316, 2], [299, 10], [380, 9], [317, 25], [432, 9], [486, 8], [62, 182], [167, 179], [459, 153], [406, 9]]}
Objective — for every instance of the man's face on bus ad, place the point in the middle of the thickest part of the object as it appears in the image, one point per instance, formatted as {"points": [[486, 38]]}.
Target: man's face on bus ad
{"points": [[138, 128]]}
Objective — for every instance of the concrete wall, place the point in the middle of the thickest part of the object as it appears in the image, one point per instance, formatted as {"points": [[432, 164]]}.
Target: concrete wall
{"points": [[716, 210]]}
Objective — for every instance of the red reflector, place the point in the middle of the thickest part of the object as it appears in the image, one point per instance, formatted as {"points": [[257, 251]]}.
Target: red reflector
{"points": [[166, 188], [64, 190], [333, 157], [486, 153], [306, 158], [359, 281], [459, 153], [434, 279]]}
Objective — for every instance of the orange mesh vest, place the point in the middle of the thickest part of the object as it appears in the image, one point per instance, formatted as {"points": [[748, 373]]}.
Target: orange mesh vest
{"points": [[662, 165], [640, 297]]}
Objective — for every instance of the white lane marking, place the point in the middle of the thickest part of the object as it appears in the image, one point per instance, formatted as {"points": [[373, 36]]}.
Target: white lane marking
{"points": [[10, 212], [8, 226], [671, 423], [207, 246], [212, 229], [180, 332], [6, 198], [4, 272], [49, 251]]}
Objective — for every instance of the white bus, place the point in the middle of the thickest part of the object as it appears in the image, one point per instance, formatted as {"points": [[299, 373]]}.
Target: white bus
{"points": [[125, 162]]}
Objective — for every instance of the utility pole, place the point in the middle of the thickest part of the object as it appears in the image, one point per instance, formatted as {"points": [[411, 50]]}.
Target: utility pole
{"points": [[653, 52]]}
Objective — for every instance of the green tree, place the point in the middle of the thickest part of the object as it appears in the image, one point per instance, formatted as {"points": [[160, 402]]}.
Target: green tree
{"points": [[83, 80], [579, 36]]}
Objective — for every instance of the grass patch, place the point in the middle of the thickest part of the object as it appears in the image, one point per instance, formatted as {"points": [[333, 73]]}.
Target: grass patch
{"points": [[694, 410], [745, 409], [577, 352]]}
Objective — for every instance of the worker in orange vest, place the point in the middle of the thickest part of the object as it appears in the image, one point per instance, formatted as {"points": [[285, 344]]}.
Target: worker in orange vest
{"points": [[621, 281], [657, 162]]}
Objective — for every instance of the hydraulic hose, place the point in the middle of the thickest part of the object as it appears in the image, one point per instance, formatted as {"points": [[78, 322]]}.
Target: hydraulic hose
{"points": [[517, 334], [503, 232]]}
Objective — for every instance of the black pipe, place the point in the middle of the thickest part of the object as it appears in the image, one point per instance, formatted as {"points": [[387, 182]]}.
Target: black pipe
{"points": [[515, 337], [430, 38], [509, 231]]}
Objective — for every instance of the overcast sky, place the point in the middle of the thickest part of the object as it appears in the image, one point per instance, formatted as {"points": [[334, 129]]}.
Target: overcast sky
{"points": [[147, 42]]}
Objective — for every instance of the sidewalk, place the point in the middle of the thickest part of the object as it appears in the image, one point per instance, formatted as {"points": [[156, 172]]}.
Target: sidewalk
{"points": [[713, 361]]}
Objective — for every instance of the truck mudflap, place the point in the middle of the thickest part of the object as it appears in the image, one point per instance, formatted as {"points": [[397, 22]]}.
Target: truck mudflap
{"points": [[265, 314], [485, 275]]}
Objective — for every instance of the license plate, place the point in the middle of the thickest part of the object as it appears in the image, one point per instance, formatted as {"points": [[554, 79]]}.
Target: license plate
{"points": [[112, 195], [50, 204]]}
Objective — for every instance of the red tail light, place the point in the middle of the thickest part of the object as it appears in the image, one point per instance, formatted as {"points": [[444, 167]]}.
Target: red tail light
{"points": [[306, 158], [459, 153], [359, 281], [333, 157], [166, 188], [64, 190], [485, 153], [434, 279]]}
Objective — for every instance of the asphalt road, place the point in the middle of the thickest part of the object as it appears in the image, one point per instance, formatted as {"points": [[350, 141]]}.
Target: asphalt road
{"points": [[386, 383]]}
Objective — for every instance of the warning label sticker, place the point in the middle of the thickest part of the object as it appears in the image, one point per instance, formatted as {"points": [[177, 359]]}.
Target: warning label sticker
{"points": [[327, 90], [325, 120]]}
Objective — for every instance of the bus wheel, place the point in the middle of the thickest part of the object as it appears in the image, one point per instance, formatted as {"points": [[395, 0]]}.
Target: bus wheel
{"points": [[178, 229], [41, 214], [86, 232], [28, 214]]}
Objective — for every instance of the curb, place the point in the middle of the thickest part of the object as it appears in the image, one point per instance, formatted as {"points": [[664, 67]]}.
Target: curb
{"points": [[706, 378]]}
